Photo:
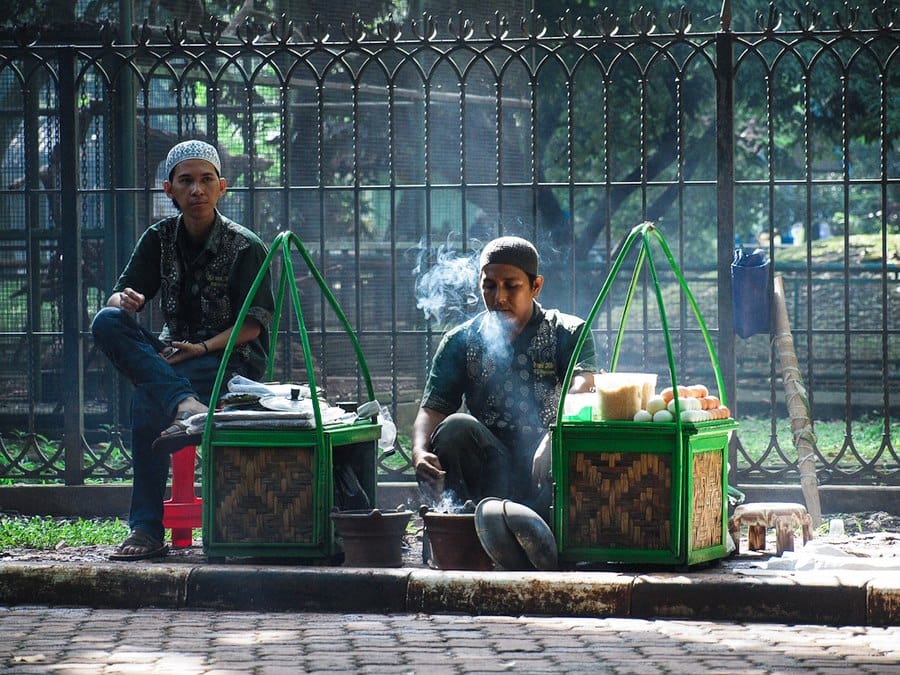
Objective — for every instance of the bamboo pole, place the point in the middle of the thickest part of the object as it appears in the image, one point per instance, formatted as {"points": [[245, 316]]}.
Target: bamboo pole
{"points": [[797, 402]]}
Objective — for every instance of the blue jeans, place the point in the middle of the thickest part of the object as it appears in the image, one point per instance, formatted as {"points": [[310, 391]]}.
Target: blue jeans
{"points": [[158, 389]]}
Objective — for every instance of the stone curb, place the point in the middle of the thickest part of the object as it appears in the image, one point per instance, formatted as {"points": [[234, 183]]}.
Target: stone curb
{"points": [[814, 598], [516, 593], [803, 597], [883, 600]]}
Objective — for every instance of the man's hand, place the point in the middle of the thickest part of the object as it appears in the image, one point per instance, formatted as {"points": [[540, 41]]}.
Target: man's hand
{"points": [[128, 300], [429, 474], [182, 351], [428, 468], [425, 462]]}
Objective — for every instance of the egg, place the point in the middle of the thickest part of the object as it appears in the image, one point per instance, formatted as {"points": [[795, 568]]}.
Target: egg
{"points": [[698, 390], [655, 404], [684, 404], [691, 415], [663, 416], [643, 416]]}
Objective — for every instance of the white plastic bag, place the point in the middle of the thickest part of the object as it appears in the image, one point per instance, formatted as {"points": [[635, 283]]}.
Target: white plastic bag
{"points": [[388, 430]]}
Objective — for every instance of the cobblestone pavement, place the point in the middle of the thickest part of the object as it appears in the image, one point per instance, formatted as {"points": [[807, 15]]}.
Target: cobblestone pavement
{"points": [[74, 641]]}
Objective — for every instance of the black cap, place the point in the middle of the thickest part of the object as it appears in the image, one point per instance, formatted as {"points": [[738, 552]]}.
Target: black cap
{"points": [[514, 251]]}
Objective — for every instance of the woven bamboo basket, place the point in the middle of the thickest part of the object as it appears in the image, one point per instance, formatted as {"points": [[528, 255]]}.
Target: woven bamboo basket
{"points": [[708, 518], [268, 492], [622, 499], [264, 495]]}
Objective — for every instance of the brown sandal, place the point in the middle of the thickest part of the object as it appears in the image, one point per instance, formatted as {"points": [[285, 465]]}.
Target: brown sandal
{"points": [[142, 546]]}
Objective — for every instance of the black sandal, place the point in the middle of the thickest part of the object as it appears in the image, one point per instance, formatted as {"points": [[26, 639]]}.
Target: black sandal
{"points": [[176, 436], [171, 443], [144, 547]]}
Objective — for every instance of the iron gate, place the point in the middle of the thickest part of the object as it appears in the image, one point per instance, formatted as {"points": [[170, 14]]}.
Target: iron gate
{"points": [[395, 153]]}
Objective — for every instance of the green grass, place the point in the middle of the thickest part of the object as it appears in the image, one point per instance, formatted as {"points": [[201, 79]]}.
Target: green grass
{"points": [[43, 532], [397, 461], [831, 438]]}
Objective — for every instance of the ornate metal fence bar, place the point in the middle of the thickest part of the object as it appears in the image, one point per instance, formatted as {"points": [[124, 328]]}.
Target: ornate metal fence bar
{"points": [[395, 154]]}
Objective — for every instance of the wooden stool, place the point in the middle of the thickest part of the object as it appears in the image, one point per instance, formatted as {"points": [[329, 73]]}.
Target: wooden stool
{"points": [[784, 517], [184, 510]]}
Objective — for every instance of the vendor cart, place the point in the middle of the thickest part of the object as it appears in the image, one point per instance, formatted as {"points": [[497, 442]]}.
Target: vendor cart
{"points": [[640, 491], [268, 491]]}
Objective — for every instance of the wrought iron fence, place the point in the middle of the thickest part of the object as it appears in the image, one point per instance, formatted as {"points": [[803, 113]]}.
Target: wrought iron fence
{"points": [[394, 154]]}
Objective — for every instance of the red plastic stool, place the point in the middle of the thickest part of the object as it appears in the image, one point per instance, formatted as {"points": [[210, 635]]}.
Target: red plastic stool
{"points": [[184, 510]]}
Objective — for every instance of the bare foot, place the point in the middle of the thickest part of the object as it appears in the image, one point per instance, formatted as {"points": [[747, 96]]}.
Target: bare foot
{"points": [[189, 406]]}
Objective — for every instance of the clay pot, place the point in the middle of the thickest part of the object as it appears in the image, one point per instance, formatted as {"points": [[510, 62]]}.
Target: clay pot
{"points": [[372, 537], [454, 541]]}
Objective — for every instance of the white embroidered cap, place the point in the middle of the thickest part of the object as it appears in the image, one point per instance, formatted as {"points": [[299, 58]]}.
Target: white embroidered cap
{"points": [[192, 150]]}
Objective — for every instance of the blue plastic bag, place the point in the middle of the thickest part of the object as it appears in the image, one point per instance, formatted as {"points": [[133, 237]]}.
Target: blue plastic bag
{"points": [[750, 292]]}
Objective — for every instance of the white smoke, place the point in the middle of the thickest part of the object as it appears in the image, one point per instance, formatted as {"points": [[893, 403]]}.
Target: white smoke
{"points": [[446, 284], [495, 336], [448, 292]]}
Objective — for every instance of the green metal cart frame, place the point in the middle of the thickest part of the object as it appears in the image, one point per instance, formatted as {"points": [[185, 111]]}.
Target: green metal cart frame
{"points": [[292, 517]]}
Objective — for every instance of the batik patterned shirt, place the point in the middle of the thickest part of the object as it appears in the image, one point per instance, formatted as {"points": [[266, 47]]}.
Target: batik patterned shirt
{"points": [[202, 289], [512, 388]]}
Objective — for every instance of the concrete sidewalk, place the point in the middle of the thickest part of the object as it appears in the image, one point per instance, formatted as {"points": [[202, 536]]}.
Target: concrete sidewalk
{"points": [[727, 590]]}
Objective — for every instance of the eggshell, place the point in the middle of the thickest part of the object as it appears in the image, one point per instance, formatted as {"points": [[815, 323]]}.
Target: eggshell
{"points": [[698, 390], [655, 404], [663, 416], [684, 403], [690, 415]]}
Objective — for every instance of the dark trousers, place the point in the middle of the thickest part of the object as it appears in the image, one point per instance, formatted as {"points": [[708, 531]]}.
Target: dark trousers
{"points": [[479, 465]]}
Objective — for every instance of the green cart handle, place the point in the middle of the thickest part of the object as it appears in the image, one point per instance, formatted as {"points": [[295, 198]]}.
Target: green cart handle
{"points": [[282, 245], [643, 233]]}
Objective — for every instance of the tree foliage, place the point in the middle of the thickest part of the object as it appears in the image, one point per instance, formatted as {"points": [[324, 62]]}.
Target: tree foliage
{"points": [[649, 120]]}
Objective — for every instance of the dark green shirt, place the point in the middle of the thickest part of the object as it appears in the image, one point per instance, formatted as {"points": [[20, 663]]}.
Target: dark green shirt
{"points": [[202, 289], [513, 389]]}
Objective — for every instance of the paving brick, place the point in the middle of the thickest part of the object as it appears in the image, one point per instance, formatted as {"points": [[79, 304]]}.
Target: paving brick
{"points": [[272, 643]]}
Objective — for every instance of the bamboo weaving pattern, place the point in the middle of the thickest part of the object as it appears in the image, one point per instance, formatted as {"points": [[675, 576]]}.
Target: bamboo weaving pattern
{"points": [[620, 500], [263, 494]]}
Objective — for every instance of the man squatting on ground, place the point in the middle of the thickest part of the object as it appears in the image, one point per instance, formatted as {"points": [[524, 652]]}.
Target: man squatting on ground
{"points": [[507, 364], [202, 265]]}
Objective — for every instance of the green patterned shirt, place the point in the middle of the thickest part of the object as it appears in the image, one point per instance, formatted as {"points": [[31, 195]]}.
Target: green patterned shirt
{"points": [[513, 389], [202, 289]]}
